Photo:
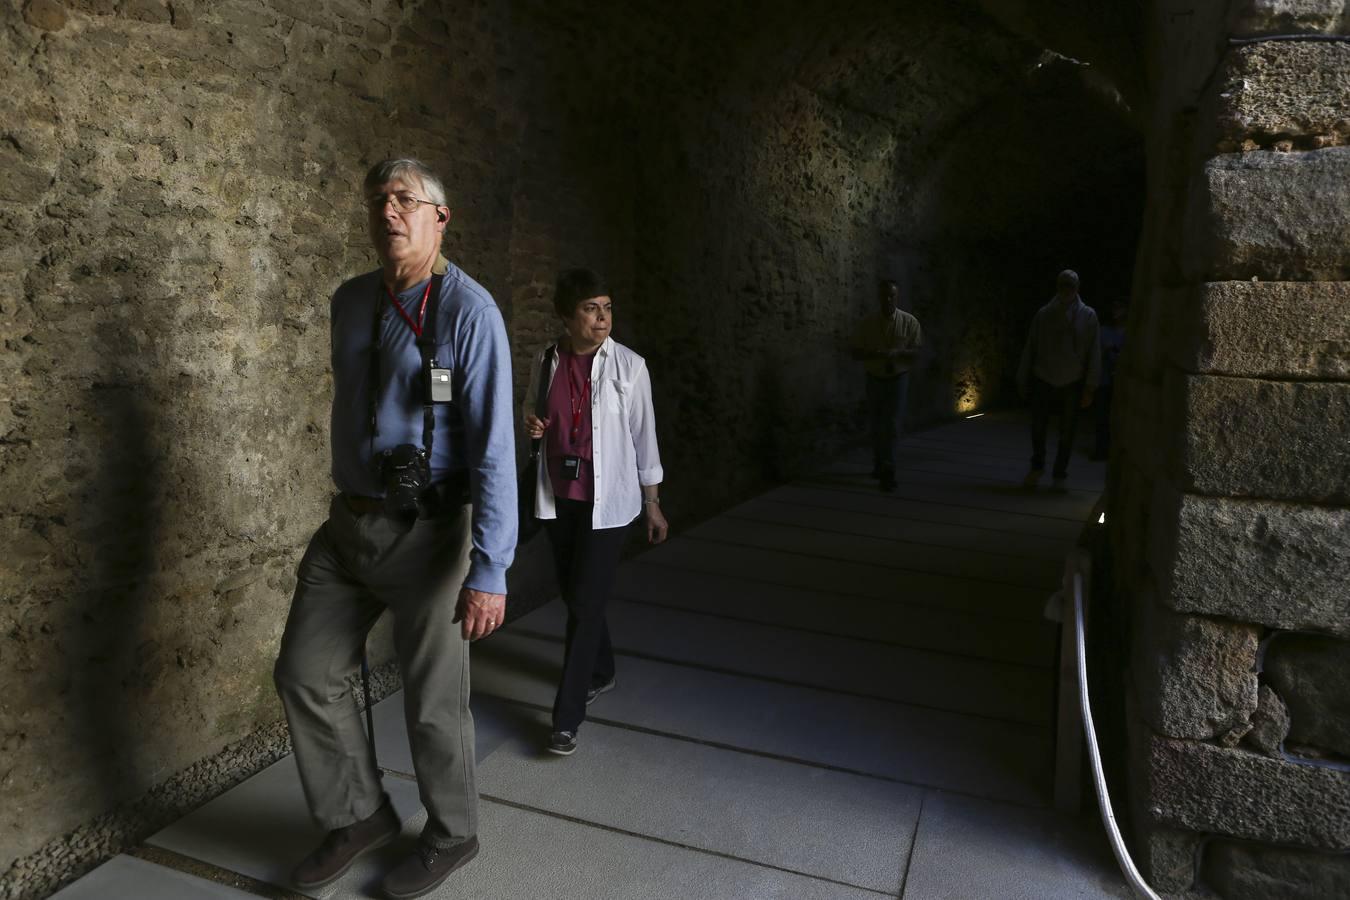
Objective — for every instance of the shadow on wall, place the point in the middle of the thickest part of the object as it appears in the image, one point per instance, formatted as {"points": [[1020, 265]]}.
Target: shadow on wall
{"points": [[110, 660]]}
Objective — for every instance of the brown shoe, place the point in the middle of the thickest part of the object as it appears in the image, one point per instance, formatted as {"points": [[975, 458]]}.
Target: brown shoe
{"points": [[342, 846], [425, 869]]}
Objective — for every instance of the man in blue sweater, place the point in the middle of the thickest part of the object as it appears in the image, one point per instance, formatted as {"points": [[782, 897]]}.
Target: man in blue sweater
{"points": [[424, 526]]}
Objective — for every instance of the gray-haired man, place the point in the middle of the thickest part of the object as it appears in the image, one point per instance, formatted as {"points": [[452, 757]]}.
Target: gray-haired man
{"points": [[424, 526]]}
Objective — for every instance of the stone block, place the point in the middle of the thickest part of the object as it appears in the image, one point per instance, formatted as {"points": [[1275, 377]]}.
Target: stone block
{"points": [[1258, 17], [1284, 90], [1276, 216], [21, 180], [1168, 857], [47, 15], [1266, 329], [1312, 675], [1269, 439], [1194, 677], [1278, 564], [1255, 872], [1270, 723], [1234, 792], [154, 12]]}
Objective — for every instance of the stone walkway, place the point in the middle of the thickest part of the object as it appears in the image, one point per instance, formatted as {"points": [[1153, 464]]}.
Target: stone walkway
{"points": [[824, 693]]}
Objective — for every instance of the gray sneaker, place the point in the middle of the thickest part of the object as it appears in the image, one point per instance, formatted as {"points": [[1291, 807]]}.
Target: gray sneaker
{"points": [[343, 846]]}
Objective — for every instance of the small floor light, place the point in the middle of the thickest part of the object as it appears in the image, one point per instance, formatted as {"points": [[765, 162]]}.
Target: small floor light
{"points": [[1101, 520]]}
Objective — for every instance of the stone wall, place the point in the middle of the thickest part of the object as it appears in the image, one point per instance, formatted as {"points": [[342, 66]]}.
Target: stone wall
{"points": [[1230, 522], [178, 196]]}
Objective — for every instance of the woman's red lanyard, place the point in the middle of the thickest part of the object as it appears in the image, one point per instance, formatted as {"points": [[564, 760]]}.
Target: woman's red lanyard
{"points": [[579, 397], [421, 314]]}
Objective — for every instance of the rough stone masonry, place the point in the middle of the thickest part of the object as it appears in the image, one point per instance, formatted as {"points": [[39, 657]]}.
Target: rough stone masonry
{"points": [[1230, 525]]}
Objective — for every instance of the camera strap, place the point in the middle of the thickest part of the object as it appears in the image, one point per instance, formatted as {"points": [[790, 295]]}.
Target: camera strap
{"points": [[426, 345], [425, 331]]}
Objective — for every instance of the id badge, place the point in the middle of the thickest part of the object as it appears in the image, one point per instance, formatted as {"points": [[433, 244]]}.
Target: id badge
{"points": [[438, 384], [571, 466]]}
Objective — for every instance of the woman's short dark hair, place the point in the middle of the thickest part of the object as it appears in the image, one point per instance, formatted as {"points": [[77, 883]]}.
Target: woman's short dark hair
{"points": [[575, 286]]}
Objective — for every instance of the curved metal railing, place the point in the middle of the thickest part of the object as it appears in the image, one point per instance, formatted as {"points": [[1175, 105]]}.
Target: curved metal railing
{"points": [[1075, 572]]}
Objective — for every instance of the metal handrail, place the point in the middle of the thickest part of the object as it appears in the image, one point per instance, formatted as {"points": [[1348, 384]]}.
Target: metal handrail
{"points": [[1122, 853]]}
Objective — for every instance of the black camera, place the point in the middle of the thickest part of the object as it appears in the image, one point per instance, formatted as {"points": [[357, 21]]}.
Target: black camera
{"points": [[405, 473]]}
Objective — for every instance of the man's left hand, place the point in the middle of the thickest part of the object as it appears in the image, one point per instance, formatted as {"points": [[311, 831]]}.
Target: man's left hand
{"points": [[1087, 398], [479, 613]]}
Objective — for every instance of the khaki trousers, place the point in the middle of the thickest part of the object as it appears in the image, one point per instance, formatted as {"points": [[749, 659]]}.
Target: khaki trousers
{"points": [[356, 567]]}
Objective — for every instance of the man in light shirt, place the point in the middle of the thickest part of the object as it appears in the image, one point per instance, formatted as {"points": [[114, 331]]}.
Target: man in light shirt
{"points": [[886, 343], [1060, 369]]}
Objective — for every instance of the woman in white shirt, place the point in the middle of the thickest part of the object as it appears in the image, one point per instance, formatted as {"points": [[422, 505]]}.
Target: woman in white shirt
{"points": [[599, 470]]}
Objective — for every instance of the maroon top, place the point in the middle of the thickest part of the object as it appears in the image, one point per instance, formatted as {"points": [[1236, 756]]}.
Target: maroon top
{"points": [[569, 426]]}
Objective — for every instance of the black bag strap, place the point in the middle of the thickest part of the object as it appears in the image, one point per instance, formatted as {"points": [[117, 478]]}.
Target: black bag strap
{"points": [[541, 394], [426, 345]]}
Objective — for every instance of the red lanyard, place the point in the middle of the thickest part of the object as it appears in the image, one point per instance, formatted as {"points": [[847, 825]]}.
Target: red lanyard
{"points": [[421, 314], [578, 402]]}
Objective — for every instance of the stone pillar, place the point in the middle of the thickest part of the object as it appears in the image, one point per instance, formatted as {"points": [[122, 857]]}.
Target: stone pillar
{"points": [[1231, 494]]}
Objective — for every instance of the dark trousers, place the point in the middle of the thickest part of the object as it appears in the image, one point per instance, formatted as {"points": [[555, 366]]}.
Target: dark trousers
{"points": [[1048, 400], [585, 559], [885, 412]]}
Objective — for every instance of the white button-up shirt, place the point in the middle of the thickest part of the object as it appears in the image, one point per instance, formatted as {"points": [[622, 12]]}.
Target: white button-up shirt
{"points": [[624, 456]]}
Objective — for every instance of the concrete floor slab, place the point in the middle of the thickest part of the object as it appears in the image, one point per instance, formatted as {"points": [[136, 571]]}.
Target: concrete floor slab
{"points": [[918, 746], [947, 592], [934, 680], [971, 561], [527, 854], [925, 532], [936, 509], [262, 828], [732, 597], [129, 878], [952, 462], [990, 496], [1087, 477], [968, 848], [1001, 450], [826, 824]]}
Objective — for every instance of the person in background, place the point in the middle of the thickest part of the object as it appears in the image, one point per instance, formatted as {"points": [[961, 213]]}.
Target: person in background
{"points": [[1060, 368], [886, 343], [1113, 341], [599, 470]]}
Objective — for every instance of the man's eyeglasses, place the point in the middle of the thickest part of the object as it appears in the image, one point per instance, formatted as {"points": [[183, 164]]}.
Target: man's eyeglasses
{"points": [[404, 203]]}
